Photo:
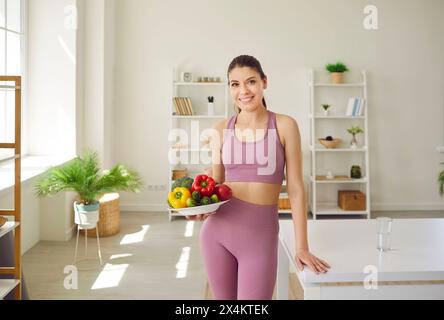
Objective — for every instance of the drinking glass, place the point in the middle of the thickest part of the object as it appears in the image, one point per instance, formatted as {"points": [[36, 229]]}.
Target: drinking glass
{"points": [[383, 241], [384, 224], [384, 233]]}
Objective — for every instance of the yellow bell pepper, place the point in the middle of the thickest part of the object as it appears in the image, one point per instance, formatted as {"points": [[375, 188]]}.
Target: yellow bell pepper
{"points": [[178, 197]]}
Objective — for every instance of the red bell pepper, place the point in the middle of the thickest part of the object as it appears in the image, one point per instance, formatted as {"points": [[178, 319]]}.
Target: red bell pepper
{"points": [[204, 185]]}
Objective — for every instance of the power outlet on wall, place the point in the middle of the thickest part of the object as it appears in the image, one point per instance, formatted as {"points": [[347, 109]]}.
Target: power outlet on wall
{"points": [[156, 187]]}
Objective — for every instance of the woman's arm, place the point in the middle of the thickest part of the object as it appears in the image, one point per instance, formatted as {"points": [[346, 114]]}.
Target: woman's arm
{"points": [[295, 184], [291, 137]]}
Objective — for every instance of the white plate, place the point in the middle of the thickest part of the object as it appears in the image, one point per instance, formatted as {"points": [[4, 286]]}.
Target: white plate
{"points": [[192, 211]]}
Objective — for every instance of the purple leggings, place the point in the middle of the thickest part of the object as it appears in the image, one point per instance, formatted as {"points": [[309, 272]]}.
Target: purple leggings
{"points": [[239, 246]]}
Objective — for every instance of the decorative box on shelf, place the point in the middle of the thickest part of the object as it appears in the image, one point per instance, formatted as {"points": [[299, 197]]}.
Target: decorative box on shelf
{"points": [[179, 173], [351, 200]]}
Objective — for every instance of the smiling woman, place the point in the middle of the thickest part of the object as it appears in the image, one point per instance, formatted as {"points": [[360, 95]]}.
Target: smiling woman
{"points": [[239, 241]]}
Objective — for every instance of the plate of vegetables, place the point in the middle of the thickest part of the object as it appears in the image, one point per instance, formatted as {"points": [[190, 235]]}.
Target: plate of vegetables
{"points": [[201, 195]]}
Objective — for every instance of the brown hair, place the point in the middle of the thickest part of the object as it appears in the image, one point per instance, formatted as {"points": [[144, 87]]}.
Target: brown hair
{"points": [[247, 61]]}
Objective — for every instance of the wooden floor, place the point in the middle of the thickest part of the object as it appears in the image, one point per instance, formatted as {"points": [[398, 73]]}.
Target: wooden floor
{"points": [[150, 258]]}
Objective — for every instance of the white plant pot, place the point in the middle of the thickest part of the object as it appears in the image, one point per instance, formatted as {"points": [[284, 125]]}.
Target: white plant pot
{"points": [[326, 113], [86, 216], [211, 108]]}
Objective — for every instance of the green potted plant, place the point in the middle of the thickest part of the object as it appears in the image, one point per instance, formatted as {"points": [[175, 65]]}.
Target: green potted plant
{"points": [[84, 176], [336, 70], [326, 107], [441, 182], [354, 130]]}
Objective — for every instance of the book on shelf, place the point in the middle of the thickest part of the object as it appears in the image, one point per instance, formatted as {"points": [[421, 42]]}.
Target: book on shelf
{"points": [[183, 106], [355, 106]]}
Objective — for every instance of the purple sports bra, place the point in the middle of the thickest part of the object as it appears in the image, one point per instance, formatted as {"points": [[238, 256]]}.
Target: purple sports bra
{"points": [[255, 161]]}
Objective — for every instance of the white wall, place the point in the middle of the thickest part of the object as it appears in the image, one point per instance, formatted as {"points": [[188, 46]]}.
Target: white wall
{"points": [[52, 78], [96, 48], [404, 59]]}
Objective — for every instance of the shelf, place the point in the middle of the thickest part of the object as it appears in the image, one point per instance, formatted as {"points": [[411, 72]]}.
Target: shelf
{"points": [[199, 117], [363, 180], [6, 286], [317, 116], [339, 149], [284, 211], [10, 87], [13, 285], [336, 117], [331, 209], [215, 84], [345, 85], [8, 227]]}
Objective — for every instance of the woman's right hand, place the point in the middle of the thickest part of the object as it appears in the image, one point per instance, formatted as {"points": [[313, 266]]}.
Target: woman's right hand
{"points": [[199, 217]]}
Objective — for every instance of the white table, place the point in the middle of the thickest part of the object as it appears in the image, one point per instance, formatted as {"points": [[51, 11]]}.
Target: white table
{"points": [[413, 269]]}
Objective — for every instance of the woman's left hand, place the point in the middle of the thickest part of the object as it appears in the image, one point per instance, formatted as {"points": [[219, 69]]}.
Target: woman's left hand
{"points": [[305, 258]]}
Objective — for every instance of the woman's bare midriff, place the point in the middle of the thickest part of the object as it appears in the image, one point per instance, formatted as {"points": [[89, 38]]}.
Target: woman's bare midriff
{"points": [[256, 192]]}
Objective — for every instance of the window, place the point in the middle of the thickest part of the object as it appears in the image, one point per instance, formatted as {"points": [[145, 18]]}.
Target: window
{"points": [[11, 63]]}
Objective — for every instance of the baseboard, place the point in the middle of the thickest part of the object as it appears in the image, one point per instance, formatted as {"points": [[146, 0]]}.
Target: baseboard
{"points": [[424, 206]]}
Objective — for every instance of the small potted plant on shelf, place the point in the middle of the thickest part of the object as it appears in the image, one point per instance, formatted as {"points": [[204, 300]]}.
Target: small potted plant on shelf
{"points": [[336, 70], [211, 106], [83, 176], [326, 107], [354, 130]]}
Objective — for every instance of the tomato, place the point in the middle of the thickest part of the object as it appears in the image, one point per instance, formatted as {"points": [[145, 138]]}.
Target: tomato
{"points": [[223, 192]]}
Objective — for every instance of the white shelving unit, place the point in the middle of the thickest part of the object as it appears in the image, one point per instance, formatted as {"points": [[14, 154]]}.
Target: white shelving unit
{"points": [[320, 154], [198, 92]]}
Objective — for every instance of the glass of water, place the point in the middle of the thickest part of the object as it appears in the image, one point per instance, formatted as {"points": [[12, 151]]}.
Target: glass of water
{"points": [[384, 224], [384, 233], [383, 241]]}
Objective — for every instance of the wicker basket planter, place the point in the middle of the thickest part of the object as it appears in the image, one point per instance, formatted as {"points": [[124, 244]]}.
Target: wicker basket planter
{"points": [[109, 216]]}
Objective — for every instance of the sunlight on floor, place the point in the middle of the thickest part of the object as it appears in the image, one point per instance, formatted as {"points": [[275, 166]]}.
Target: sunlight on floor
{"points": [[189, 228], [182, 265], [135, 237], [110, 276], [118, 256]]}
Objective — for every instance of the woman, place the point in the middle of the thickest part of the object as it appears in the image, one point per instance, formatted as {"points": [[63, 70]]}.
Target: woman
{"points": [[239, 242]]}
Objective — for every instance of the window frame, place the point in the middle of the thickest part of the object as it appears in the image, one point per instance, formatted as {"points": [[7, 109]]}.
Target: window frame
{"points": [[23, 34]]}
